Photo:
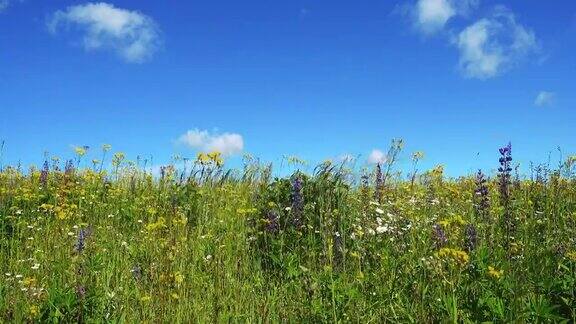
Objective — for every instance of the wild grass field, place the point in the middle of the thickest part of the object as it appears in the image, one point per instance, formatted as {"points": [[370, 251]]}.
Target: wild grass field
{"points": [[80, 242]]}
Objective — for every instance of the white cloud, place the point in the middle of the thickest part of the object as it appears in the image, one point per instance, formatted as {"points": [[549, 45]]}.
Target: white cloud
{"points": [[132, 35], [495, 44], [376, 156], [431, 16], [226, 143], [544, 98]]}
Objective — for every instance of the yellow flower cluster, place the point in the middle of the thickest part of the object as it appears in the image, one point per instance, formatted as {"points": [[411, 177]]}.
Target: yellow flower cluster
{"points": [[497, 274], [210, 158], [453, 220], [438, 170], [458, 256], [159, 224], [61, 212], [418, 155], [33, 311], [80, 150]]}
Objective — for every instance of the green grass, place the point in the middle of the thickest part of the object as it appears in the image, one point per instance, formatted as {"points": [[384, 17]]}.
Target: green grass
{"points": [[203, 247]]}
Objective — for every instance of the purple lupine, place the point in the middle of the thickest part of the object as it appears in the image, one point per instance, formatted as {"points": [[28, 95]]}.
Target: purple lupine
{"points": [[44, 174], [505, 169], [365, 191], [272, 222], [481, 196], [69, 168], [379, 184], [440, 239], [471, 237], [504, 185], [80, 244], [297, 202]]}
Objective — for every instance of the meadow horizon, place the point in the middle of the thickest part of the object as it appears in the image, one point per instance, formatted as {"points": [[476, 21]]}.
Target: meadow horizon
{"points": [[307, 161], [95, 158]]}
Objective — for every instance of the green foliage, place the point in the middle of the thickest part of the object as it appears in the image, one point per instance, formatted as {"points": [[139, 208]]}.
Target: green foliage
{"points": [[209, 244]]}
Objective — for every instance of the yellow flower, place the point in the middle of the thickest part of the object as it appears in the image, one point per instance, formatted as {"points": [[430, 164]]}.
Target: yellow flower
{"points": [[495, 273], [571, 255], [438, 170], [80, 150], [216, 157], [178, 277], [33, 311], [245, 211], [46, 207], [418, 155], [515, 248], [455, 255], [161, 223], [175, 296], [203, 158], [28, 281], [118, 158]]}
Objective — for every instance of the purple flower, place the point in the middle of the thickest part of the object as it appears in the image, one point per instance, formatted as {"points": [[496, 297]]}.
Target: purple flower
{"points": [[44, 174], [481, 196], [504, 186], [69, 168], [440, 239], [471, 237], [81, 240], [297, 201], [272, 224]]}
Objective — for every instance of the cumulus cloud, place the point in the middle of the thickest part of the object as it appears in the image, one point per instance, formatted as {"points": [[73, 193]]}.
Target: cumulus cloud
{"points": [[492, 45], [376, 156], [544, 98], [431, 16], [226, 143], [132, 35]]}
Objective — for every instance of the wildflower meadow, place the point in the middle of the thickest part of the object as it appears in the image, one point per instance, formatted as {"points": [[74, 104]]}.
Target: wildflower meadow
{"points": [[109, 240]]}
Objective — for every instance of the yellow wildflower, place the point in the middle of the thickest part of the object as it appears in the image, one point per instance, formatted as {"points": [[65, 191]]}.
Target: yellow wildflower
{"points": [[455, 255], [33, 311], [160, 223], [28, 281], [495, 273], [80, 150], [178, 277], [203, 158]]}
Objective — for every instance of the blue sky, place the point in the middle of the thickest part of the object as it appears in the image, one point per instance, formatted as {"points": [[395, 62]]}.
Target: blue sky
{"points": [[316, 79]]}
